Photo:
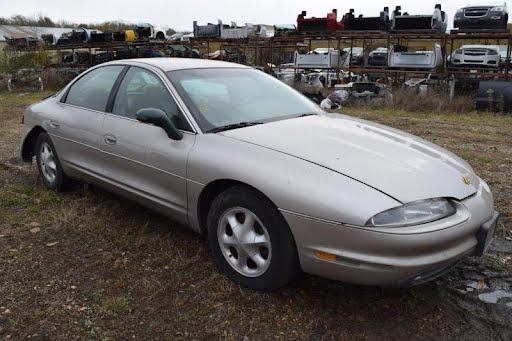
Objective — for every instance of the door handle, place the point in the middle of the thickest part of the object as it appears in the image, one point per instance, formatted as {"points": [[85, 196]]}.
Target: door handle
{"points": [[54, 124], [109, 139]]}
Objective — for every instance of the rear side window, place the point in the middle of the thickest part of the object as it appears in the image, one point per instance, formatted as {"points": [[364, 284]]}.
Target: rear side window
{"points": [[93, 90]]}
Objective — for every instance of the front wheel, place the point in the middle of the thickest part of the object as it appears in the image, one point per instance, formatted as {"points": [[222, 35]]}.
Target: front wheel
{"points": [[250, 240]]}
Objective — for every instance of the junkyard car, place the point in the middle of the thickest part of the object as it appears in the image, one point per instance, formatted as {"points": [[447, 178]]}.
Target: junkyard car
{"points": [[378, 57], [438, 21], [276, 184], [476, 55], [409, 57], [485, 15]]}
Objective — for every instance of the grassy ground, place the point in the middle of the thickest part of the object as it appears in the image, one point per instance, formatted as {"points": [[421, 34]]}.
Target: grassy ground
{"points": [[89, 265]]}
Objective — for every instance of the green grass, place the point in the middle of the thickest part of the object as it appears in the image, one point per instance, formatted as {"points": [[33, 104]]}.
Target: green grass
{"points": [[26, 204], [466, 118], [469, 156], [13, 101], [116, 305]]}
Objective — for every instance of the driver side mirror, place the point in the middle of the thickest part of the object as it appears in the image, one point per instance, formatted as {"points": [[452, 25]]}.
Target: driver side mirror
{"points": [[160, 119]]}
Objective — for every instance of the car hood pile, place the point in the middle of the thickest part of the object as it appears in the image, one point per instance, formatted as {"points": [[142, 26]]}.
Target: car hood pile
{"points": [[401, 165]]}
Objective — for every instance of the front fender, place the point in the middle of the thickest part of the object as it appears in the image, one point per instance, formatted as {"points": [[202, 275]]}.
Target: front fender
{"points": [[292, 184]]}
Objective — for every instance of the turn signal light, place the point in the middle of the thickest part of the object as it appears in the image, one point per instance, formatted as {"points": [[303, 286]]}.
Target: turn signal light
{"points": [[325, 255]]}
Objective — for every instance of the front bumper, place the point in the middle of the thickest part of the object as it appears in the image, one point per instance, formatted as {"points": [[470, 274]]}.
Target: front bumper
{"points": [[479, 23], [391, 258], [482, 61]]}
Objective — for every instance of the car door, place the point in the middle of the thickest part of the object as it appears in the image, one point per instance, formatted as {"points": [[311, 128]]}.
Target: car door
{"points": [[76, 125], [142, 160]]}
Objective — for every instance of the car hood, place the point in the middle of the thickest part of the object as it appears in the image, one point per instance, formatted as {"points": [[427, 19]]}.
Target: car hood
{"points": [[401, 165]]}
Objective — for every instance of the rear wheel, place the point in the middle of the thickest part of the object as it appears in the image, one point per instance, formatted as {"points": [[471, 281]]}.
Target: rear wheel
{"points": [[48, 164], [250, 240]]}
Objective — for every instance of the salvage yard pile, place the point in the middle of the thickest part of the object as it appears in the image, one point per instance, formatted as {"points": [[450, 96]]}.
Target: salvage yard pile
{"points": [[87, 264]]}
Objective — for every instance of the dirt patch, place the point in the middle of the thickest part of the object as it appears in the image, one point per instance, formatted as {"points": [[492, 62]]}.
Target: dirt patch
{"points": [[89, 265]]}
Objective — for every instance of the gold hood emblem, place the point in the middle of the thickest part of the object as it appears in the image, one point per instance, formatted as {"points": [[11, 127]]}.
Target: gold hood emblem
{"points": [[466, 180]]}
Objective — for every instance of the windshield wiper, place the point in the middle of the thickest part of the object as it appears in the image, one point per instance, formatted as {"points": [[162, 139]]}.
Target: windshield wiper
{"points": [[233, 126], [308, 114]]}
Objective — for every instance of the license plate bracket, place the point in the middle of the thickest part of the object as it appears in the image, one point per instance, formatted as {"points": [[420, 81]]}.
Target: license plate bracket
{"points": [[485, 235]]}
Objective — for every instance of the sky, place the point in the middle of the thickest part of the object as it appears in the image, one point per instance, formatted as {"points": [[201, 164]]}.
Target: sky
{"points": [[180, 14]]}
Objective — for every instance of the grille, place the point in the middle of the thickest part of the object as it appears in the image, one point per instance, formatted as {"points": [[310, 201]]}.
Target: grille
{"points": [[475, 53], [475, 12]]}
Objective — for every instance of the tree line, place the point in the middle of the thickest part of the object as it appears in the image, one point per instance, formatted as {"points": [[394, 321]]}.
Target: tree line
{"points": [[44, 21]]}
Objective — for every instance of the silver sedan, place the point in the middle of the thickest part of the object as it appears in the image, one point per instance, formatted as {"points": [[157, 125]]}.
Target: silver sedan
{"points": [[276, 184]]}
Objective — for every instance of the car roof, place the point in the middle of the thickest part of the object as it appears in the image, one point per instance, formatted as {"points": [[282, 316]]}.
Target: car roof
{"points": [[173, 64]]}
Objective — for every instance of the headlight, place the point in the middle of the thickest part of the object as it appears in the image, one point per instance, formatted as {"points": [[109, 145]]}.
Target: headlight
{"points": [[459, 11], [497, 9], [492, 52], [458, 51], [415, 213]]}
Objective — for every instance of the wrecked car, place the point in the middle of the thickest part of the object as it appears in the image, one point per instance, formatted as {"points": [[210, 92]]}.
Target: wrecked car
{"points": [[365, 92], [284, 30], [237, 32], [187, 37], [101, 37], [25, 84], [438, 21], [410, 57], [142, 52], [318, 59], [22, 40], [145, 31], [231, 54], [488, 15], [183, 51], [104, 56], [209, 30], [313, 25], [77, 36], [361, 23], [176, 36], [76, 58], [312, 83], [352, 56], [476, 55], [378, 57], [126, 35]]}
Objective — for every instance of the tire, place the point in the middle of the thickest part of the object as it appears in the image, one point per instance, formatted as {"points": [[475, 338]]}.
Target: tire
{"points": [[274, 262], [48, 164]]}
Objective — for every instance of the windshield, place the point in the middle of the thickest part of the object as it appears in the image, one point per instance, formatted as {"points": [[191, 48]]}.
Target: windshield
{"points": [[219, 97]]}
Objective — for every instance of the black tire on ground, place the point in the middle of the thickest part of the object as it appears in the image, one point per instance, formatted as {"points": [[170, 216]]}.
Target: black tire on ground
{"points": [[284, 263], [61, 181]]}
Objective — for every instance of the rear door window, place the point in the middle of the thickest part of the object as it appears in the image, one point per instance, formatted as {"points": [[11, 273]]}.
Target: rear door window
{"points": [[93, 89]]}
